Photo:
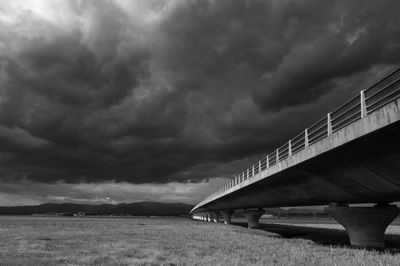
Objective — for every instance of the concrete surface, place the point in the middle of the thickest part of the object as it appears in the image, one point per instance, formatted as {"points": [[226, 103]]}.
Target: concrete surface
{"points": [[365, 226]]}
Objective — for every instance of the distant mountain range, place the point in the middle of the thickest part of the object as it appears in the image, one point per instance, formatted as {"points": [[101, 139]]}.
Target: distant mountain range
{"points": [[69, 209], [136, 209]]}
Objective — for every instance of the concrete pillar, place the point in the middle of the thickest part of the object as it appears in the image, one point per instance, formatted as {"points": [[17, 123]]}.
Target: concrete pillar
{"points": [[253, 217], [365, 226], [227, 214], [214, 216], [209, 217]]}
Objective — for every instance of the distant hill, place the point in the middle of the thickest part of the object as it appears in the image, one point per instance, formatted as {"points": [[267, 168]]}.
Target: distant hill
{"points": [[138, 209], [134, 209]]}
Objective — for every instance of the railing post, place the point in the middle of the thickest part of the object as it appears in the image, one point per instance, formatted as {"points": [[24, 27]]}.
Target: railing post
{"points": [[329, 124], [248, 173], [363, 104], [253, 170], [267, 162], [277, 155], [290, 148], [306, 138], [259, 166]]}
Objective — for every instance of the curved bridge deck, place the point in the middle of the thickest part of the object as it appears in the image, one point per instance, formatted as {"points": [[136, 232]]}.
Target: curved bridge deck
{"points": [[352, 155]]}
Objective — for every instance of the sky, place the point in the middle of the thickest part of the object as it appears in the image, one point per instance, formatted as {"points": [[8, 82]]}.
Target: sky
{"points": [[164, 100]]}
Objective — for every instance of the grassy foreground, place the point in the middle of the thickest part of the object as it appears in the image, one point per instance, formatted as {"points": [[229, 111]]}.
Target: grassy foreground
{"points": [[176, 241]]}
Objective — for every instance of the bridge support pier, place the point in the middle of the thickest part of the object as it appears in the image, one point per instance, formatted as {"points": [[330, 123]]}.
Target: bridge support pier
{"points": [[365, 226], [227, 214], [214, 217], [253, 217]]}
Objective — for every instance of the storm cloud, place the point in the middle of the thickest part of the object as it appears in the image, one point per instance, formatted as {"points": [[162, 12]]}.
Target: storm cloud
{"points": [[161, 91]]}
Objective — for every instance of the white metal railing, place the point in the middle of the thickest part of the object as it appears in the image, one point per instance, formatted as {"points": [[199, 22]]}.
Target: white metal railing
{"points": [[381, 93]]}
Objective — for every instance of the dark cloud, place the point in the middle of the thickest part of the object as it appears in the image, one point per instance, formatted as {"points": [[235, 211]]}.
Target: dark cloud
{"points": [[332, 42], [162, 91]]}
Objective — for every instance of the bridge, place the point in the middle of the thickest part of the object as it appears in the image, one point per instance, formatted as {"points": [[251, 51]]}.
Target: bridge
{"points": [[350, 156]]}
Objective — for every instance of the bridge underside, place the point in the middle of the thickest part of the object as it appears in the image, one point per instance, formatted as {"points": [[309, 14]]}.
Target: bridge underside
{"points": [[356, 161], [365, 170]]}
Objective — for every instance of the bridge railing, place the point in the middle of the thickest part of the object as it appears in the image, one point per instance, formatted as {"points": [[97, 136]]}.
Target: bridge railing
{"points": [[376, 96], [346, 114], [382, 92]]}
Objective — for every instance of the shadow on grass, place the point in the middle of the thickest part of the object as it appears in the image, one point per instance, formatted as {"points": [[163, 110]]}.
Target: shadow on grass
{"points": [[322, 236]]}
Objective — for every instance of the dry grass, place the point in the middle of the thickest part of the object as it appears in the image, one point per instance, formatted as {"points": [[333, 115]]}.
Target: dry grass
{"points": [[176, 241]]}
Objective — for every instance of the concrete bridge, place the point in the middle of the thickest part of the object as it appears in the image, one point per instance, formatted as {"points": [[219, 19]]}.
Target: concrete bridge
{"points": [[350, 156]]}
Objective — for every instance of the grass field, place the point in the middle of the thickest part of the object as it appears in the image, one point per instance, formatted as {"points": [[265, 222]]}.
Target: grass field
{"points": [[179, 241]]}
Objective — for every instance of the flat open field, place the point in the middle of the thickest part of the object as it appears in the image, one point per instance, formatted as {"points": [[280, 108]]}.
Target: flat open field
{"points": [[180, 241]]}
